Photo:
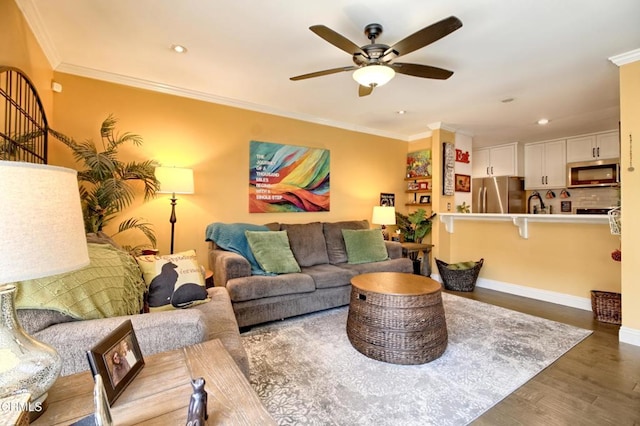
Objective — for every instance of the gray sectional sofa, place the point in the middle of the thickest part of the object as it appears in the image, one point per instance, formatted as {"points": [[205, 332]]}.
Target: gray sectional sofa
{"points": [[323, 281], [155, 331]]}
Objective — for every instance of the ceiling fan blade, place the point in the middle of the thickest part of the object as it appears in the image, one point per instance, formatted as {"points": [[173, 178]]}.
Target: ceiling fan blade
{"points": [[337, 40], [364, 90], [424, 71], [424, 37], [321, 73]]}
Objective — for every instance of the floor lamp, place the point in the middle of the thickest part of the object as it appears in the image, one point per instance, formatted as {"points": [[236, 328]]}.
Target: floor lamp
{"points": [[43, 234], [174, 180]]}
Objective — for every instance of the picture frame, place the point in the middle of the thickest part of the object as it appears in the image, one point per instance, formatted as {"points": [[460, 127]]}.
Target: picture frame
{"points": [[387, 199], [463, 183], [117, 359], [425, 199]]}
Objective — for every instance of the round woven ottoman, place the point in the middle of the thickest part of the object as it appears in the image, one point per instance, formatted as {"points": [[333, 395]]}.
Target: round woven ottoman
{"points": [[397, 318]]}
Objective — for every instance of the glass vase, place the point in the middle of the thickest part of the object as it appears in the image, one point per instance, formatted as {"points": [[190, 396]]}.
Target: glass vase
{"points": [[26, 365]]}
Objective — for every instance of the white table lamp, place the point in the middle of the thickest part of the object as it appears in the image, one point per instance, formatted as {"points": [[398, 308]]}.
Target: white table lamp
{"points": [[384, 215], [43, 234]]}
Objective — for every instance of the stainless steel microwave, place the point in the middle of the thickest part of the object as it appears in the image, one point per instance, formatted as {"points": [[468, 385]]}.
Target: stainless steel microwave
{"points": [[593, 173]]}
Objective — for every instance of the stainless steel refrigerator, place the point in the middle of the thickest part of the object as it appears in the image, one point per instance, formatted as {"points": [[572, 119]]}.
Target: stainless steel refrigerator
{"points": [[499, 194]]}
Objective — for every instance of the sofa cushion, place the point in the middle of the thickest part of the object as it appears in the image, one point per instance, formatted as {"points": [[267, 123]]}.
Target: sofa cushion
{"points": [[258, 287], [364, 245], [307, 243], [174, 280], [272, 251], [336, 249], [391, 265], [327, 276]]}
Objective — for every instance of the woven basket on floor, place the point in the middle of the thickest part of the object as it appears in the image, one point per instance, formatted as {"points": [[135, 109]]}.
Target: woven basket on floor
{"points": [[606, 306], [459, 279]]}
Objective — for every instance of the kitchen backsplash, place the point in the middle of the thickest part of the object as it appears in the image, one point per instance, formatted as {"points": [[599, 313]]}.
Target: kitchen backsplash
{"points": [[582, 198]]}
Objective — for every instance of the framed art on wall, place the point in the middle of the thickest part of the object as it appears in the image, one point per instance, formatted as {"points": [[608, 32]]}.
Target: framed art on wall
{"points": [[463, 183], [287, 178], [117, 359]]}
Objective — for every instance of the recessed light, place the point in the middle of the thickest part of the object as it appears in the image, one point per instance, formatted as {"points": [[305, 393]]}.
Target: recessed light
{"points": [[178, 48], [543, 121], [401, 112]]}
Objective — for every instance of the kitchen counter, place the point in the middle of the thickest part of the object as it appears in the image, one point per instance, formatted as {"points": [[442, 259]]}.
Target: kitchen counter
{"points": [[522, 220]]}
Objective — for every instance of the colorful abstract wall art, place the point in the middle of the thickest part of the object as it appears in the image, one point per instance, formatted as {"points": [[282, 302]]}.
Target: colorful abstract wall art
{"points": [[419, 163], [286, 178]]}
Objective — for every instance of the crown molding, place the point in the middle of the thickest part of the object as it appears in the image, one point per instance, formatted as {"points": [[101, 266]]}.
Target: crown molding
{"points": [[626, 58], [34, 20], [207, 97], [442, 126]]}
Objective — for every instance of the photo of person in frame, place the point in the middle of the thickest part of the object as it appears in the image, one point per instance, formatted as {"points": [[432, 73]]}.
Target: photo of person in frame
{"points": [[119, 366]]}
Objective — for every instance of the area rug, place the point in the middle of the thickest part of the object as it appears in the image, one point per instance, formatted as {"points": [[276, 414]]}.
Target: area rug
{"points": [[306, 372]]}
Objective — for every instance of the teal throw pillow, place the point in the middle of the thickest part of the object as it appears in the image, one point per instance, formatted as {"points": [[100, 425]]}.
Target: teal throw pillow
{"points": [[272, 251], [461, 266], [364, 245]]}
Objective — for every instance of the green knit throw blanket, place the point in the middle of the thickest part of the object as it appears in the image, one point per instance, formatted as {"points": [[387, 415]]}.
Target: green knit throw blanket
{"points": [[111, 285]]}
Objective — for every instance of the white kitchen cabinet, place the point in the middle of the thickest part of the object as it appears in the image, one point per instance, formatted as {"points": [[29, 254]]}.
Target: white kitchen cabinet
{"points": [[499, 160], [545, 165], [599, 146]]}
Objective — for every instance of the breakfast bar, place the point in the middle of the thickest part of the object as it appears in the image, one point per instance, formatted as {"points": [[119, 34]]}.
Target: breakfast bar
{"points": [[521, 220]]}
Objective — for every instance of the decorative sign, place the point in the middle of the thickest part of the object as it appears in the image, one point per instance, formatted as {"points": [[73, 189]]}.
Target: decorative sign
{"points": [[419, 163], [286, 178], [462, 156], [448, 164], [387, 199]]}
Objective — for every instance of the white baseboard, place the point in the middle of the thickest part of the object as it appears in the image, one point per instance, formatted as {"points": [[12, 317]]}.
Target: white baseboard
{"points": [[625, 335], [532, 293], [629, 335]]}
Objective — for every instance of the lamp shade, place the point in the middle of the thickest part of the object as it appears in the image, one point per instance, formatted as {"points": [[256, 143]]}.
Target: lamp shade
{"points": [[373, 75], [175, 180], [41, 223], [384, 215]]}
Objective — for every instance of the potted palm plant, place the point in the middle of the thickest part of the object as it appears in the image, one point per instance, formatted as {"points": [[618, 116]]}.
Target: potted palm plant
{"points": [[106, 182]]}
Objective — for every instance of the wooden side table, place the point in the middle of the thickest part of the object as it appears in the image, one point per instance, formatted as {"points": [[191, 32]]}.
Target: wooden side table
{"points": [[160, 394], [411, 250]]}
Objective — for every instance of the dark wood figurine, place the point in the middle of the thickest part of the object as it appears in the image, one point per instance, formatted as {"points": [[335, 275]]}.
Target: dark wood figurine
{"points": [[198, 404]]}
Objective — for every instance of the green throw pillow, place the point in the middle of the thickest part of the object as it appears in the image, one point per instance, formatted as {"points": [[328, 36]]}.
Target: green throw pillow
{"points": [[272, 251], [461, 266], [364, 245]]}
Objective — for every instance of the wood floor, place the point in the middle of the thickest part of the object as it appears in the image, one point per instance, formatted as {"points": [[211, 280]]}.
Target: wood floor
{"points": [[595, 383]]}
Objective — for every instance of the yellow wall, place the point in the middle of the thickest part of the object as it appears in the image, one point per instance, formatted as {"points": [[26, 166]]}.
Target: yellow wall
{"points": [[565, 258], [630, 130], [19, 49], [214, 141]]}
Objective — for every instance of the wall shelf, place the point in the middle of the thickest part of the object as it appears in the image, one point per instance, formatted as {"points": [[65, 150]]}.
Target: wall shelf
{"points": [[522, 220]]}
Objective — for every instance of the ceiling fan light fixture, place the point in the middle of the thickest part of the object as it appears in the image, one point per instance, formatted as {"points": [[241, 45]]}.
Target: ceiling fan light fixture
{"points": [[373, 75]]}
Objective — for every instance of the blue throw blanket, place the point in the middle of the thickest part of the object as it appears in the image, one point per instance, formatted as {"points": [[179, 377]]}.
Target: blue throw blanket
{"points": [[231, 237]]}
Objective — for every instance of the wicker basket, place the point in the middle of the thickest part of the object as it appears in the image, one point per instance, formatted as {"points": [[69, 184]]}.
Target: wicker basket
{"points": [[606, 306], [459, 279]]}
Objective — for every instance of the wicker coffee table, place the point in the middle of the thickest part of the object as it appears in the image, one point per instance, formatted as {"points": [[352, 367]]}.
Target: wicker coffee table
{"points": [[397, 318]]}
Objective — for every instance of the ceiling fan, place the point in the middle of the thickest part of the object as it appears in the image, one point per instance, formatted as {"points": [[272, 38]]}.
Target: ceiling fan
{"points": [[374, 62]]}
